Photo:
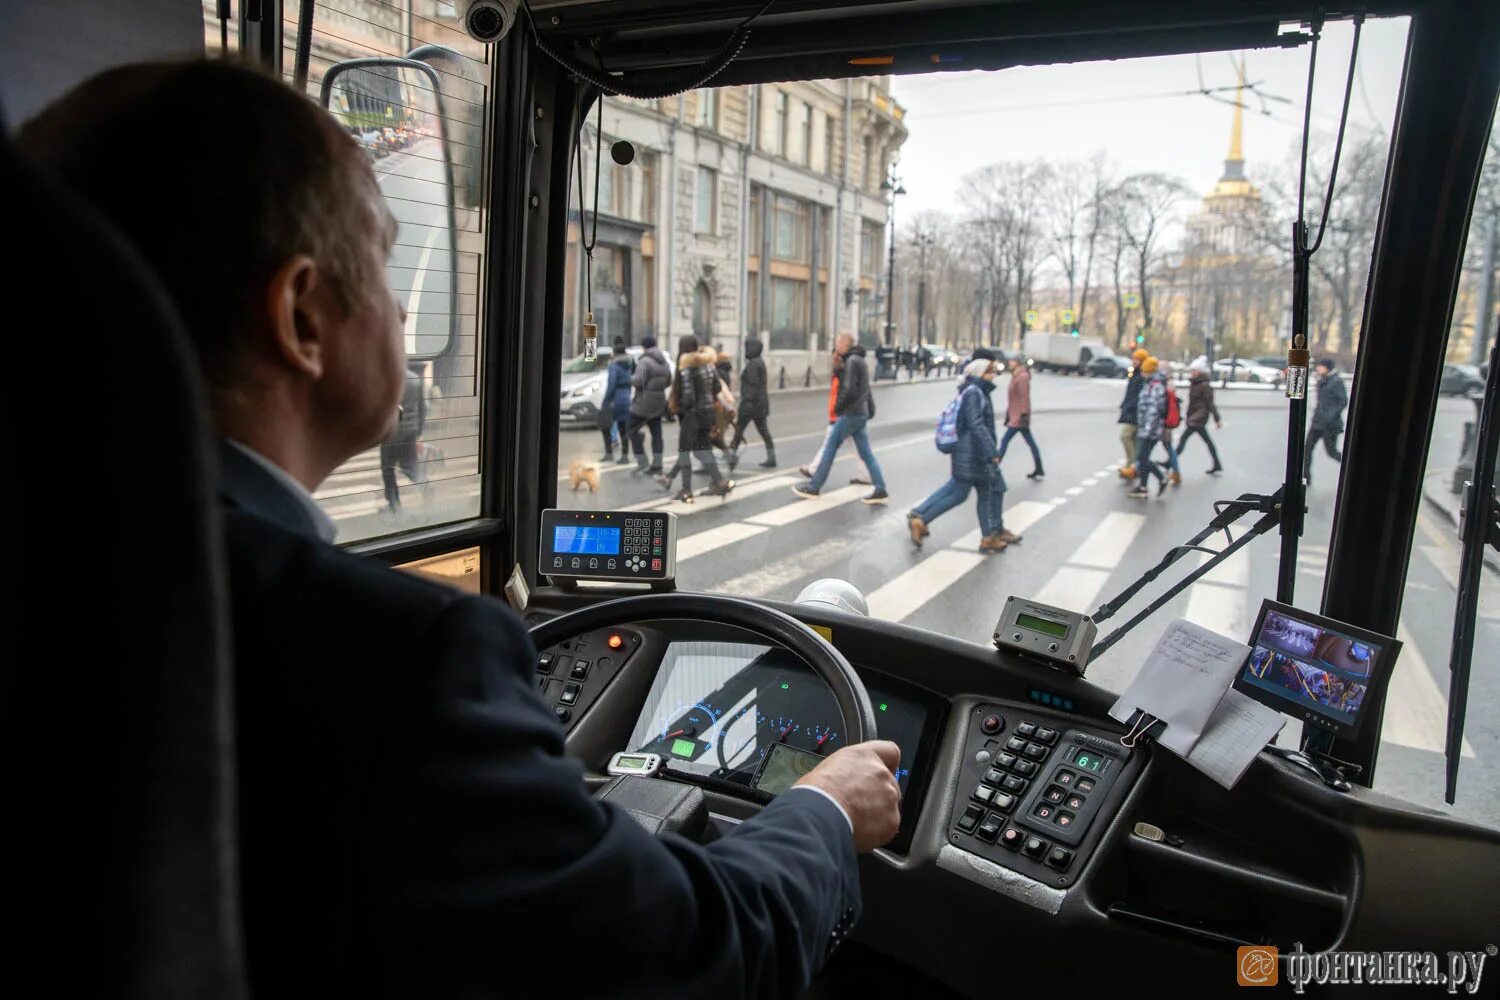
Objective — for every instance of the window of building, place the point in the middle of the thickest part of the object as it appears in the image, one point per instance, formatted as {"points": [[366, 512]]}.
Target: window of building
{"points": [[778, 126], [829, 138], [788, 314], [706, 200], [789, 229], [708, 109], [800, 135], [703, 312], [869, 165]]}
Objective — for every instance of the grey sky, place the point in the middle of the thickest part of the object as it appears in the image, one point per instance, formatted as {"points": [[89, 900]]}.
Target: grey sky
{"points": [[959, 122]]}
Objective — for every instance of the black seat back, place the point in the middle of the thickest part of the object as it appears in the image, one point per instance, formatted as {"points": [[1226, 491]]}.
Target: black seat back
{"points": [[118, 707]]}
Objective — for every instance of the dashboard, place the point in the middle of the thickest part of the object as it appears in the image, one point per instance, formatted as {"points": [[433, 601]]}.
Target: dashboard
{"points": [[717, 708]]}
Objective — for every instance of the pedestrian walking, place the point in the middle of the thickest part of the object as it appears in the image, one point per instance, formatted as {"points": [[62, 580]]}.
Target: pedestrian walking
{"points": [[1200, 408], [853, 407], [614, 406], [1018, 415], [694, 390], [862, 477], [401, 450], [1128, 408], [755, 403], [652, 379], [975, 464], [1151, 412], [1327, 421]]}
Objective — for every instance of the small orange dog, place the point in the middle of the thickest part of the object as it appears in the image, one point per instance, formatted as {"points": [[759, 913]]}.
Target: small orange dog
{"points": [[581, 472]]}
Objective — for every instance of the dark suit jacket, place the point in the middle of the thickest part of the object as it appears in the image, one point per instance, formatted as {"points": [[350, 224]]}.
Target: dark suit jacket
{"points": [[411, 827]]}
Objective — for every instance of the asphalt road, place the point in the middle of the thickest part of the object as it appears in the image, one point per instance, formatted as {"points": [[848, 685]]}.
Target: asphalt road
{"points": [[1083, 542]]}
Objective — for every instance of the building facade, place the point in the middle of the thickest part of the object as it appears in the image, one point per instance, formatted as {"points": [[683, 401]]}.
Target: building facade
{"points": [[746, 211]]}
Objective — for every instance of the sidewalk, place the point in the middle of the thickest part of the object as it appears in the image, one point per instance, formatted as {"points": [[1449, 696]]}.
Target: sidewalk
{"points": [[1436, 491]]}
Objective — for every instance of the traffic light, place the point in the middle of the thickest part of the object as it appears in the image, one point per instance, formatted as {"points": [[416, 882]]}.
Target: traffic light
{"points": [[1075, 331], [1140, 338]]}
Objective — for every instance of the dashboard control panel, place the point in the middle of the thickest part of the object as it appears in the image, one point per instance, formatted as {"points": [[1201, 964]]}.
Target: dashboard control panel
{"points": [[638, 546], [1032, 790], [571, 675]]}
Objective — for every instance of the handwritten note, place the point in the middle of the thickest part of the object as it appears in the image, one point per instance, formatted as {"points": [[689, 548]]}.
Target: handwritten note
{"points": [[1182, 682], [1239, 728]]}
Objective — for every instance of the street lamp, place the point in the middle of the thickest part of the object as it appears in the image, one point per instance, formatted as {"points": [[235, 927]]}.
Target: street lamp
{"points": [[892, 185], [923, 242]]}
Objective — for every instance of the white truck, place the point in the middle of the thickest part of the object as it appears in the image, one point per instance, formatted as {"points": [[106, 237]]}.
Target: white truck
{"points": [[1062, 352]]}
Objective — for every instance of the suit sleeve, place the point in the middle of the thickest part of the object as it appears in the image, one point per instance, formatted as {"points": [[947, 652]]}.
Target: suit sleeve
{"points": [[496, 855]]}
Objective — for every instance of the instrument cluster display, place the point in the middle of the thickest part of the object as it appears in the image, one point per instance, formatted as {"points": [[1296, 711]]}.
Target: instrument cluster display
{"points": [[717, 708]]}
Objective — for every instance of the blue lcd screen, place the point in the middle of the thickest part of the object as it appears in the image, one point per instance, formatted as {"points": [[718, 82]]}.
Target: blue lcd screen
{"points": [[586, 541]]}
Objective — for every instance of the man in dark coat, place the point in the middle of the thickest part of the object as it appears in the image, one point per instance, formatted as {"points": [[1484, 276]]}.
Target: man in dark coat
{"points": [[854, 406], [408, 822], [1200, 408], [1327, 421], [400, 450], [652, 379], [755, 402], [614, 407]]}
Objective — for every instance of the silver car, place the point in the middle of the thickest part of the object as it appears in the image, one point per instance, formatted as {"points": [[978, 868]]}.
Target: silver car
{"points": [[583, 382]]}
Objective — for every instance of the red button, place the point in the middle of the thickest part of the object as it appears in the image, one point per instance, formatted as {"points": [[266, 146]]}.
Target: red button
{"points": [[656, 564]]}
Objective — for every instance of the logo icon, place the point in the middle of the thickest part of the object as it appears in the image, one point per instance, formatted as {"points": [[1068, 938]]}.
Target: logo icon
{"points": [[1256, 965]]}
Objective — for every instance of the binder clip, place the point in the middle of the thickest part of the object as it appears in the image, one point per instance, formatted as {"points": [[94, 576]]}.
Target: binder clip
{"points": [[1143, 726]]}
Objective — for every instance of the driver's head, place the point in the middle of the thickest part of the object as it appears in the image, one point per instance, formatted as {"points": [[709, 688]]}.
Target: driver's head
{"points": [[264, 221]]}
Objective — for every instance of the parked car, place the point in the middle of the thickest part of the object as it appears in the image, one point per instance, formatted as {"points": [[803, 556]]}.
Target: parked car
{"points": [[1246, 371], [583, 384], [942, 357], [1460, 380], [1109, 366]]}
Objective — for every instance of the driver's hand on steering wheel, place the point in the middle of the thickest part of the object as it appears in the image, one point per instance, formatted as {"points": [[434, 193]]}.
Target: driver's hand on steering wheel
{"points": [[863, 780]]}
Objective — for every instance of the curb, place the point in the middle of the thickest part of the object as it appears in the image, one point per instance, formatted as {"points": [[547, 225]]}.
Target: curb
{"points": [[1449, 511]]}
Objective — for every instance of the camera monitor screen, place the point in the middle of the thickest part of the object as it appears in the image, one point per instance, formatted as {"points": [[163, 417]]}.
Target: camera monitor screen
{"points": [[1314, 668]]}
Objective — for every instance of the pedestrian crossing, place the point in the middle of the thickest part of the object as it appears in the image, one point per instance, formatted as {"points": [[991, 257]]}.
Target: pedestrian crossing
{"points": [[1222, 599]]}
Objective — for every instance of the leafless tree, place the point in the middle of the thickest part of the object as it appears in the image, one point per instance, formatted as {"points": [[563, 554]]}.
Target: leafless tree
{"points": [[1143, 213], [1076, 204]]}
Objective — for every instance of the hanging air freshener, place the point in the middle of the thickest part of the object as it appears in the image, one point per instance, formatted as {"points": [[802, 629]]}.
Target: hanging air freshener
{"points": [[1296, 372], [591, 339]]}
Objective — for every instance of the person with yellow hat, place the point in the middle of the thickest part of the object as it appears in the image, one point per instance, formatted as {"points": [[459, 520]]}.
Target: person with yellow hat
{"points": [[1150, 420], [1127, 412]]}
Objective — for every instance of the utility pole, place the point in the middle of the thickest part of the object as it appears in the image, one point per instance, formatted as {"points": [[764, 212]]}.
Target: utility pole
{"points": [[892, 185]]}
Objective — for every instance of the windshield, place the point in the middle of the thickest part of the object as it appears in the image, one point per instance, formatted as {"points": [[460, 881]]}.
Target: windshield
{"points": [[1138, 204]]}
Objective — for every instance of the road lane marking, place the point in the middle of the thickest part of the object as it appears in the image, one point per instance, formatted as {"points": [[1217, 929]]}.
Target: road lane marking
{"points": [[715, 538], [767, 579], [414, 300], [907, 592], [1075, 491], [910, 590], [1217, 600], [797, 510], [1079, 582], [1090, 481], [1416, 713]]}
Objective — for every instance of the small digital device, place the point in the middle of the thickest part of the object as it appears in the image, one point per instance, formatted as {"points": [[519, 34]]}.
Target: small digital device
{"points": [[1058, 637], [642, 765], [783, 767], [1314, 668], [638, 546]]}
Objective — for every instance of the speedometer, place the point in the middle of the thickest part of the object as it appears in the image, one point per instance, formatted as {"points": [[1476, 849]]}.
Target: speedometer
{"points": [[680, 732]]}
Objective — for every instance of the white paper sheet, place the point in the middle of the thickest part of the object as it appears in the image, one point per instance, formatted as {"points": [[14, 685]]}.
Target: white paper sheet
{"points": [[1239, 728], [1182, 681]]}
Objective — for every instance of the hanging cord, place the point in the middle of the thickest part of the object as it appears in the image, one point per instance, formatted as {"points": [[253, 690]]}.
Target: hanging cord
{"points": [[1338, 146], [593, 239], [690, 79]]}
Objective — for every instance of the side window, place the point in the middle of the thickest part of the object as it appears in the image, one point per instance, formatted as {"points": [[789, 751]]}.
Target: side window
{"points": [[420, 128]]}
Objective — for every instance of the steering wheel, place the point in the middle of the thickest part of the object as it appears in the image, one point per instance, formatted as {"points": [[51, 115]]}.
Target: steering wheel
{"points": [[826, 661]]}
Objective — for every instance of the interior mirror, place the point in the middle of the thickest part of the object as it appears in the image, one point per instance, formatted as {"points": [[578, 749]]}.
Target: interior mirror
{"points": [[395, 110]]}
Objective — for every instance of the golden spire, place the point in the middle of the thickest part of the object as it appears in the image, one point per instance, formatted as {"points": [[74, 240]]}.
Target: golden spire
{"points": [[1237, 134]]}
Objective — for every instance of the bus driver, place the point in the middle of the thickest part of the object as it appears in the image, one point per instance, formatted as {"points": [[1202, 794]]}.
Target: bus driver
{"points": [[409, 823]]}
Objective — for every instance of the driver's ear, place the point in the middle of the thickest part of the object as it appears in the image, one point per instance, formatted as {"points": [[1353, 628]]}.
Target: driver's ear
{"points": [[301, 314]]}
